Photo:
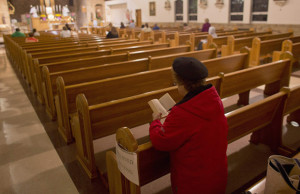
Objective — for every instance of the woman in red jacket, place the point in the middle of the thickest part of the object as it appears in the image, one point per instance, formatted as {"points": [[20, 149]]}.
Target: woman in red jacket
{"points": [[194, 132]]}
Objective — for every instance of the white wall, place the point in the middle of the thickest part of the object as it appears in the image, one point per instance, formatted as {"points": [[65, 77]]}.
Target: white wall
{"points": [[215, 15], [288, 14], [118, 14]]}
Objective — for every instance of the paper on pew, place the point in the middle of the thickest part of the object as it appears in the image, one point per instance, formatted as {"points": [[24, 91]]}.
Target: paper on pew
{"points": [[127, 164], [162, 105]]}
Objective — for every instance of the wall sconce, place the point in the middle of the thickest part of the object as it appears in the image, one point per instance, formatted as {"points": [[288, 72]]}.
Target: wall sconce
{"points": [[168, 5], [219, 4], [203, 4], [280, 2]]}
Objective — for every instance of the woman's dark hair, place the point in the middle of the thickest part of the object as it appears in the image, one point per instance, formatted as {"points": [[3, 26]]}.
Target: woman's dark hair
{"points": [[188, 84], [33, 30], [146, 25], [122, 25], [30, 34], [114, 30]]}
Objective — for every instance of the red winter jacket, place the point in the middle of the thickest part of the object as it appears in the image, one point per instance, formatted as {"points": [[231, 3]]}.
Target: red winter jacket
{"points": [[195, 134]]}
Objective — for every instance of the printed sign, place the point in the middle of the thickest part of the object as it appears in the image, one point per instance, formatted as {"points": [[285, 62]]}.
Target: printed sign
{"points": [[127, 164]]}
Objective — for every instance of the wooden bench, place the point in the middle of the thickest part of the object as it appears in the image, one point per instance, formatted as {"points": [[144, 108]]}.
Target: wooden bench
{"points": [[66, 95], [234, 44], [99, 120], [292, 45], [77, 76], [263, 116], [88, 62], [263, 49], [49, 57]]}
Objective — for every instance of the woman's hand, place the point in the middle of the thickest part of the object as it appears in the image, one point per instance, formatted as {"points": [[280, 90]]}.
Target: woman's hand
{"points": [[156, 116]]}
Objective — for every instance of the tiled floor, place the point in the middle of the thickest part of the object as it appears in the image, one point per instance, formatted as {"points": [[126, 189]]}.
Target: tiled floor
{"points": [[35, 159], [29, 162]]}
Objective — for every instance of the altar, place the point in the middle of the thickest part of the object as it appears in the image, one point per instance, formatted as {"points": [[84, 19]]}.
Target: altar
{"points": [[49, 16], [42, 25]]}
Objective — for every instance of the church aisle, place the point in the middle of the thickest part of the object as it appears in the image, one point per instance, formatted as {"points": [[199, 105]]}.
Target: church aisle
{"points": [[29, 162]]}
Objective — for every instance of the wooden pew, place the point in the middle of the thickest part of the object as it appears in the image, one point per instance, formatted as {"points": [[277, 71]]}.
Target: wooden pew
{"points": [[26, 55], [73, 64], [265, 115], [29, 57], [235, 44], [66, 94], [292, 45], [262, 49], [88, 74], [99, 120]]}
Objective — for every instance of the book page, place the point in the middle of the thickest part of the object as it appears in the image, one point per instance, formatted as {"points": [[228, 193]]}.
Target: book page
{"points": [[157, 107], [167, 101]]}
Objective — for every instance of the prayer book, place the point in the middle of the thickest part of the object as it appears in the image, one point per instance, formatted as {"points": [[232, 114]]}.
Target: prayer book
{"points": [[162, 105]]}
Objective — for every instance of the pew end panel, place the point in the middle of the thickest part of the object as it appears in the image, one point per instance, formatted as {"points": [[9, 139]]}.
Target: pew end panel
{"points": [[113, 174], [84, 139], [255, 52], [37, 80], [48, 93], [62, 111]]}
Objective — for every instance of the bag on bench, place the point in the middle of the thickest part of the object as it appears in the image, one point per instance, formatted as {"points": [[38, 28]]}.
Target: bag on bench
{"points": [[283, 175]]}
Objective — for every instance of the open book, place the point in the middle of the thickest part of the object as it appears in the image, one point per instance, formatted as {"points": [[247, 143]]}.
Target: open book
{"points": [[162, 105]]}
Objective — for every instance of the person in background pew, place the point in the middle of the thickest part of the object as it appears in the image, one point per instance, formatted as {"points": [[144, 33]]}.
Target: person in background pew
{"points": [[206, 25], [31, 38], [122, 25], [212, 32], [113, 33], [146, 28], [132, 24], [194, 132], [18, 33], [35, 33], [65, 33], [155, 27]]}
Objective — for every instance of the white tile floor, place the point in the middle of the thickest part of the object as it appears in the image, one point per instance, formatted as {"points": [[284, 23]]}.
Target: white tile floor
{"points": [[28, 161]]}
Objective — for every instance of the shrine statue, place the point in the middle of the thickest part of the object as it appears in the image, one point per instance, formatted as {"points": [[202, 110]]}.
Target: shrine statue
{"points": [[65, 10], [33, 11]]}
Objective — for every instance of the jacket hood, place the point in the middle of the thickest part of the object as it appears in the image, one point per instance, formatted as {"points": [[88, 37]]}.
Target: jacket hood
{"points": [[205, 104]]}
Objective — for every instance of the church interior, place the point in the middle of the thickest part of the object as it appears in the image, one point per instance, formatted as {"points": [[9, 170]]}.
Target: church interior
{"points": [[77, 77]]}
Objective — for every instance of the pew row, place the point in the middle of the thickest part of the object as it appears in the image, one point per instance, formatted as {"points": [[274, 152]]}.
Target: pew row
{"points": [[265, 116], [234, 44], [88, 62], [99, 120], [88, 74], [29, 56], [135, 83]]}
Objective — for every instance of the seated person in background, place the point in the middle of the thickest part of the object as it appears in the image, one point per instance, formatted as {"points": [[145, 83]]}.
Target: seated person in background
{"points": [[146, 28], [17, 33], [212, 32], [194, 132], [155, 27], [206, 25], [186, 27], [31, 38], [65, 33], [132, 25], [122, 25], [113, 33], [35, 33], [68, 27]]}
